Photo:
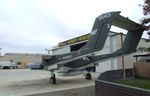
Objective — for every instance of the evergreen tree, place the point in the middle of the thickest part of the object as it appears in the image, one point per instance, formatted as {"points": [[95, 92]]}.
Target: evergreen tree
{"points": [[146, 20]]}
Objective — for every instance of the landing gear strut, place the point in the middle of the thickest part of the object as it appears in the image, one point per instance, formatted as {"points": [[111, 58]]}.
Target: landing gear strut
{"points": [[88, 76], [53, 78]]}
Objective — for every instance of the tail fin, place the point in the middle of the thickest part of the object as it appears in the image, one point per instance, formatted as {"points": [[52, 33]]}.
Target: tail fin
{"points": [[100, 31], [129, 45], [102, 27], [131, 41], [133, 36]]}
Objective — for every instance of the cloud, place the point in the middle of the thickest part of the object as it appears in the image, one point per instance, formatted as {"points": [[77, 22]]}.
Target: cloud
{"points": [[34, 25], [32, 31]]}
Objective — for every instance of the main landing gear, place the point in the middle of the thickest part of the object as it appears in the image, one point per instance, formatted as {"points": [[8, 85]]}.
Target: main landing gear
{"points": [[53, 78], [88, 76]]}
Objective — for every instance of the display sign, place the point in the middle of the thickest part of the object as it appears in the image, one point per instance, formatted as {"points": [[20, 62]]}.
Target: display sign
{"points": [[74, 40]]}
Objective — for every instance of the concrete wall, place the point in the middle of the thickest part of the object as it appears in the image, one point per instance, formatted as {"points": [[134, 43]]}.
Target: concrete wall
{"points": [[109, 47], [83, 91], [142, 69]]}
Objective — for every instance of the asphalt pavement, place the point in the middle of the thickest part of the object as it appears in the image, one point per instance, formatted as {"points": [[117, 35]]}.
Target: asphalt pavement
{"points": [[21, 82]]}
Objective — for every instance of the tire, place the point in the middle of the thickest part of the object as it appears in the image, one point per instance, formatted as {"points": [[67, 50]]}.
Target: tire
{"points": [[88, 76], [53, 80]]}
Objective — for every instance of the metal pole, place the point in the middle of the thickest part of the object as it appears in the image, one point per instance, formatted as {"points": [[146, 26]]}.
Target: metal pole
{"points": [[111, 50], [48, 51], [123, 66], [136, 59], [0, 52]]}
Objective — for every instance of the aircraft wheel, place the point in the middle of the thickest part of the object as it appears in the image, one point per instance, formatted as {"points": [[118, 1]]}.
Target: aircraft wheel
{"points": [[53, 80], [88, 76]]}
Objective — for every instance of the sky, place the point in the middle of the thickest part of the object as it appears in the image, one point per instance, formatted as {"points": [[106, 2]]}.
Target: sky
{"points": [[31, 26]]}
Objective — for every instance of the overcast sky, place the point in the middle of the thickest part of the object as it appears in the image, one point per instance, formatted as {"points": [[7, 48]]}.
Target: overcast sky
{"points": [[31, 26]]}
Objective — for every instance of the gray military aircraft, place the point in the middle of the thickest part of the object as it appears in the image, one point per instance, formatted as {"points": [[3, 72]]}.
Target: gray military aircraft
{"points": [[72, 63]]}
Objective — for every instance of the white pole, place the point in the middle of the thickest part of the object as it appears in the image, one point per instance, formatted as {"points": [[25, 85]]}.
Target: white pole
{"points": [[0, 52]]}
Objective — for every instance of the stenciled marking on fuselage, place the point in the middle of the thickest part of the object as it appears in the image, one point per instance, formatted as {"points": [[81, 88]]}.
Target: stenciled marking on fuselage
{"points": [[94, 32], [108, 25], [103, 16]]}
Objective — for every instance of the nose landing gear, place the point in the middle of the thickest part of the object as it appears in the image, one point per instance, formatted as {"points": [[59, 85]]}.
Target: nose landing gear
{"points": [[53, 78]]}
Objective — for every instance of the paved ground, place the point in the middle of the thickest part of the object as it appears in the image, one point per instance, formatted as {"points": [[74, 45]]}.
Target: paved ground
{"points": [[24, 81]]}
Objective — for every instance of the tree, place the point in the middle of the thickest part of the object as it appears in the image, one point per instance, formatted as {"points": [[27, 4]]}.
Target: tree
{"points": [[148, 49], [141, 49], [146, 20], [144, 49]]}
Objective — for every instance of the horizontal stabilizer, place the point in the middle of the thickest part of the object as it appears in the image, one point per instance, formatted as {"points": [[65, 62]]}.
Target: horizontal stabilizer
{"points": [[131, 41], [102, 26]]}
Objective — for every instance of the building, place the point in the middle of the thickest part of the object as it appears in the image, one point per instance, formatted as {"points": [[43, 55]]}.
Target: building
{"points": [[113, 42], [21, 58]]}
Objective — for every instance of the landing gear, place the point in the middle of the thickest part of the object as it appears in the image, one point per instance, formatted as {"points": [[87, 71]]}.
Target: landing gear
{"points": [[88, 76], [53, 78]]}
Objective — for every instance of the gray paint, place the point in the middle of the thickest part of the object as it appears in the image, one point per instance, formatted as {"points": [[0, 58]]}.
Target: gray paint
{"points": [[96, 42]]}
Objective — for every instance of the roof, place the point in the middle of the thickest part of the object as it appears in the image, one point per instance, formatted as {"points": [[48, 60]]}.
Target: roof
{"points": [[23, 54], [81, 39], [142, 55]]}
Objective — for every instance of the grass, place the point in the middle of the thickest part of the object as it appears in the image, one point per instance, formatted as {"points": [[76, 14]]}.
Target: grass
{"points": [[136, 82]]}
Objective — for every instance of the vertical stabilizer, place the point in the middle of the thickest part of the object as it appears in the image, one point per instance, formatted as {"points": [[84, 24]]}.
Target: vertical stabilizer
{"points": [[100, 31], [131, 41]]}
